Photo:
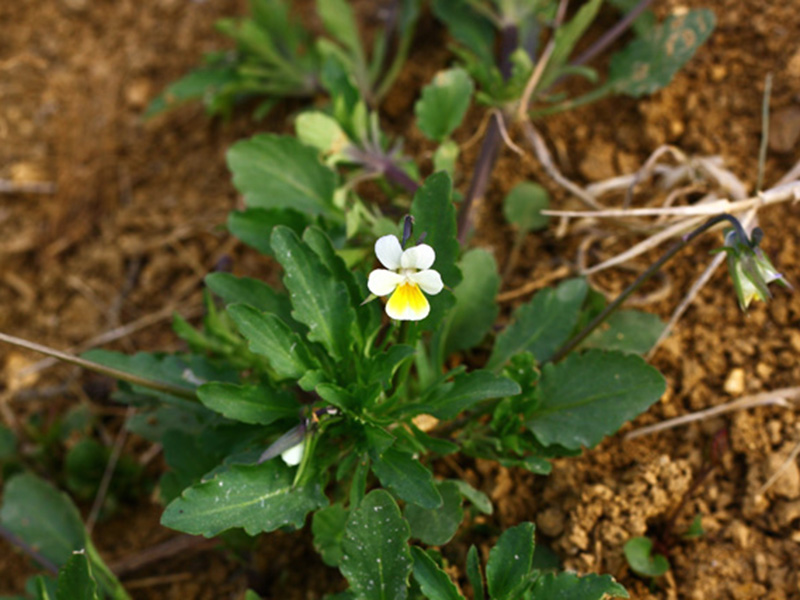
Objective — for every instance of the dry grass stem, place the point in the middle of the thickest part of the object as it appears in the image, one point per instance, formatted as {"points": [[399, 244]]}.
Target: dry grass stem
{"points": [[781, 397], [776, 475], [534, 285]]}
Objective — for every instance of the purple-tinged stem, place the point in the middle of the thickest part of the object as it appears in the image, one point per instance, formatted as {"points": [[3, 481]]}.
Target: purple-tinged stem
{"points": [[610, 36]]}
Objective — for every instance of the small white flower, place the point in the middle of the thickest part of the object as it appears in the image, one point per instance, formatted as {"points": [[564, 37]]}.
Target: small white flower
{"points": [[294, 455], [407, 271]]}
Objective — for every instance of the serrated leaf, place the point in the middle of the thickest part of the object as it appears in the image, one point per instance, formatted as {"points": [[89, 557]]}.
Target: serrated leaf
{"points": [[382, 367], [328, 526], [569, 586], [589, 396], [476, 309], [254, 292], [478, 499], [443, 103], [272, 338], [43, 517], [434, 582], [75, 580], [510, 562], [254, 225], [437, 526], [639, 554], [648, 64], [320, 300], [474, 573], [435, 216], [376, 560], [254, 404], [541, 325], [274, 171], [523, 205], [257, 498], [450, 398], [315, 128], [405, 476], [627, 331]]}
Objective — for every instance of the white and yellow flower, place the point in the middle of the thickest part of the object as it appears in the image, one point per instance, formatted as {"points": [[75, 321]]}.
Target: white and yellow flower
{"points": [[406, 276]]}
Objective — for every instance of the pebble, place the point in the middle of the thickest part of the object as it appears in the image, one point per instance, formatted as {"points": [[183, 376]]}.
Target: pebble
{"points": [[788, 484], [784, 129], [551, 521], [734, 383]]}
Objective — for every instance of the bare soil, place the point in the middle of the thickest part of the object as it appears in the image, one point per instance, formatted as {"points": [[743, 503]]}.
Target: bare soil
{"points": [[135, 222]]}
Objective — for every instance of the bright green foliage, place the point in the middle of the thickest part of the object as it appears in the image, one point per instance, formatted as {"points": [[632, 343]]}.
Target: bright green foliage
{"points": [[376, 560], [437, 526], [541, 325], [649, 63], [468, 26], [478, 499], [523, 205], [588, 396], [443, 103], [509, 569], [404, 475], [278, 172], [450, 398], [251, 225], [639, 554], [434, 582], [256, 498], [474, 573]]}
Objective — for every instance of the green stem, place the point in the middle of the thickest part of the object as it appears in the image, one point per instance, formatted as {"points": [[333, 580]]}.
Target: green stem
{"points": [[158, 386], [652, 270]]}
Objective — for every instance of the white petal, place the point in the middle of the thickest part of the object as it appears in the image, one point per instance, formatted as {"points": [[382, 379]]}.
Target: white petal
{"points": [[430, 281], [419, 257], [389, 251], [382, 282], [294, 455]]}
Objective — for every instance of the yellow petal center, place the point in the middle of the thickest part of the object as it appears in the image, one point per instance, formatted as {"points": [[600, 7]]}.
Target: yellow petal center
{"points": [[407, 303]]}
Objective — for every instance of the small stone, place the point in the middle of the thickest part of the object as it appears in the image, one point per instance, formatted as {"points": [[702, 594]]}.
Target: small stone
{"points": [[760, 560], [734, 383], [787, 485], [138, 92], [718, 73], [786, 512], [598, 164], [551, 521], [784, 129], [740, 534]]}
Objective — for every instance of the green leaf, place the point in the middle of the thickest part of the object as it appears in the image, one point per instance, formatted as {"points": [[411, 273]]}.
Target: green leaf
{"points": [[478, 499], [566, 37], [405, 476], [648, 64], [476, 309], [541, 325], [510, 563], [75, 580], [639, 554], [450, 398], [321, 131], [469, 27], [196, 85], [382, 367], [275, 171], [443, 103], [340, 22], [376, 560], [644, 23], [445, 157], [8, 443], [43, 517], [254, 292], [254, 404], [328, 527], [435, 215], [570, 586], [272, 338], [627, 331], [437, 526], [588, 396], [523, 205], [695, 530], [258, 498], [434, 582], [254, 225], [474, 573], [319, 298]]}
